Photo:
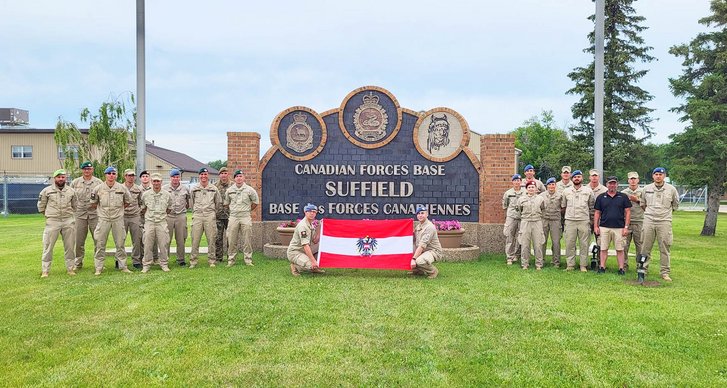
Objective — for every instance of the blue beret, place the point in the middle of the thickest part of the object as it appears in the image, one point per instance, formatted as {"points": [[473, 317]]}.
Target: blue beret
{"points": [[420, 208], [576, 172], [516, 176], [549, 181], [659, 169], [310, 207], [529, 167], [109, 170], [175, 172]]}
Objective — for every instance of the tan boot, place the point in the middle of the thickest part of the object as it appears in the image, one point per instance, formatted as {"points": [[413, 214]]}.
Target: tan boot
{"points": [[125, 270], [145, 269], [44, 275], [434, 274], [293, 270], [666, 278], [71, 273]]}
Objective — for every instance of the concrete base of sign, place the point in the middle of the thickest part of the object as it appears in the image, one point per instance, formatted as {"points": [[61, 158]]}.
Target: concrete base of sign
{"points": [[464, 253]]}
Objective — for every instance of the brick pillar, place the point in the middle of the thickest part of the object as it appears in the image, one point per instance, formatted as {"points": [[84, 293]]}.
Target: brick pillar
{"points": [[497, 154], [243, 152]]}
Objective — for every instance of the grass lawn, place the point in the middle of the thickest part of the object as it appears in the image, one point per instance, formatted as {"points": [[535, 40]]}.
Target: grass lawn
{"points": [[480, 323]]}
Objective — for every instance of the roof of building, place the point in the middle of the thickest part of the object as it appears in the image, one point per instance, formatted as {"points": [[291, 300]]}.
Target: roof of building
{"points": [[179, 160], [5, 129]]}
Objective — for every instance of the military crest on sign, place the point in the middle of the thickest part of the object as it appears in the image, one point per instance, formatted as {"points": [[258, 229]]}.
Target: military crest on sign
{"points": [[366, 245], [299, 133], [370, 119]]}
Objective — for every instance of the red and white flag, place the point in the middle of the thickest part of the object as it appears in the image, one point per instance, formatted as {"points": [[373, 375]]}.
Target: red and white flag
{"points": [[376, 244]]}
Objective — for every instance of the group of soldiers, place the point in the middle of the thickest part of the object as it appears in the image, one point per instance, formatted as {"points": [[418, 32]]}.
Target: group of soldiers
{"points": [[151, 213], [537, 211]]}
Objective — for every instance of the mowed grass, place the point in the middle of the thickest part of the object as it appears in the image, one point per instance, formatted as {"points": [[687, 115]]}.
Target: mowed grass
{"points": [[479, 323]]}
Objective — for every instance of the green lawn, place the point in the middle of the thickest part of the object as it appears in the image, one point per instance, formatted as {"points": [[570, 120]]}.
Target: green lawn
{"points": [[480, 323]]}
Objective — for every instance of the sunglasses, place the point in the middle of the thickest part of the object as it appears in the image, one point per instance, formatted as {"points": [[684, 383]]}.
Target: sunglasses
{"points": [[110, 173]]}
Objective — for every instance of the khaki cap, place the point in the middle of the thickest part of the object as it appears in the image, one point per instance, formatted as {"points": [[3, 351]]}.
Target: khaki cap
{"points": [[156, 176], [633, 174], [593, 172], [129, 171], [565, 169]]}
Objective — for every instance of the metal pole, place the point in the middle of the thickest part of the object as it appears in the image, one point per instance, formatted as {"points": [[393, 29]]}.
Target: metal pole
{"points": [[6, 211], [140, 88], [598, 92]]}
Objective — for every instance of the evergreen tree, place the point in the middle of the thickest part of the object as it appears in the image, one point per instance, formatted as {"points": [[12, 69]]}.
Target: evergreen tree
{"points": [[626, 120], [700, 152]]}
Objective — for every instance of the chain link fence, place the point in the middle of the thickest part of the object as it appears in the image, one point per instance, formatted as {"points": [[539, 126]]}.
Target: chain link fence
{"points": [[19, 191]]}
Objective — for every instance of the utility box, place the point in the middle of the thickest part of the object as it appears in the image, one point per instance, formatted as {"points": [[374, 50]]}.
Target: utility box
{"points": [[13, 116]]}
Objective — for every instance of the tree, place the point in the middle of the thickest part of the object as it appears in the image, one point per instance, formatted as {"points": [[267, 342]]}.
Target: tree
{"points": [[111, 133], [217, 164], [700, 152], [625, 112], [543, 145]]}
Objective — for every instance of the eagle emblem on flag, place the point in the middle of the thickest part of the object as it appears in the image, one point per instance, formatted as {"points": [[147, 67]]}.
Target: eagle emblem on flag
{"points": [[366, 245]]}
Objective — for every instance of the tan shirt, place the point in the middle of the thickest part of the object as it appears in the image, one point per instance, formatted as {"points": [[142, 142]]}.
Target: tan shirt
{"points": [[637, 213], [660, 202], [155, 205], [134, 208], [223, 212], [509, 202], [205, 200], [110, 201], [531, 207], [560, 186], [83, 189], [240, 200], [600, 189], [552, 209], [425, 236], [57, 203], [180, 197], [578, 203], [302, 235]]}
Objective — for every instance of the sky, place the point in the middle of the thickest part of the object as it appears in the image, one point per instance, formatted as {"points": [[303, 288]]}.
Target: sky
{"points": [[219, 66]]}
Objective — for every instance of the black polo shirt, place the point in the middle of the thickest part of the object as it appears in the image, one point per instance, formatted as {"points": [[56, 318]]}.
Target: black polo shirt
{"points": [[612, 209]]}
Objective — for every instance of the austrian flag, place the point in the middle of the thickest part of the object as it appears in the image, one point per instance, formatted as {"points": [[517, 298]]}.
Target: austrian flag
{"points": [[375, 244]]}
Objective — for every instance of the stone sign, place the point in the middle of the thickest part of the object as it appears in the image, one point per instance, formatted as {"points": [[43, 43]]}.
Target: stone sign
{"points": [[370, 158]]}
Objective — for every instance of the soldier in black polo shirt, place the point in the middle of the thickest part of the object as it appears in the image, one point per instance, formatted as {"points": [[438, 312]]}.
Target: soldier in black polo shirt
{"points": [[611, 222]]}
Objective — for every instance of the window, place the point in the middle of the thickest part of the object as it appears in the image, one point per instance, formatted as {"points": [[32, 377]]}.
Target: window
{"points": [[72, 151], [22, 152]]}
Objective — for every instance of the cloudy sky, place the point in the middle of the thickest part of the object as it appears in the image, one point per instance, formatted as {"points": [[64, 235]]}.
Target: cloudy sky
{"points": [[219, 66]]}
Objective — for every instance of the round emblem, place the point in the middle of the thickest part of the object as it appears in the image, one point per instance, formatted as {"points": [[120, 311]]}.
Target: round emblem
{"points": [[441, 134], [370, 117], [299, 133]]}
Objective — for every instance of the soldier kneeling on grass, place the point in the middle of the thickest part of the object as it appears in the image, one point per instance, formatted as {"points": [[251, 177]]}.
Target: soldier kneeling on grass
{"points": [[300, 254], [427, 246]]}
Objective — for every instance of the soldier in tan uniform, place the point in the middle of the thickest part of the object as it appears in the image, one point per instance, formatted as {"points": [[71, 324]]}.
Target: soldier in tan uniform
{"points": [[57, 203], [132, 217], [177, 219], [530, 177], [205, 200], [86, 217], [427, 248], [109, 199], [578, 202], [659, 201], [512, 219], [552, 219], [156, 204], [240, 199], [635, 193], [300, 254], [531, 226], [145, 186], [595, 185], [565, 181], [223, 215]]}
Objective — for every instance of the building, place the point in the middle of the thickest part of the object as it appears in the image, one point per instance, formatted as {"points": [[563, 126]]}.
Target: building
{"points": [[32, 152]]}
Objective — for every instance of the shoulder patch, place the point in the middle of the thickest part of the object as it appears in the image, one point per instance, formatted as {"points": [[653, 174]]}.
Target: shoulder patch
{"points": [[304, 234]]}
